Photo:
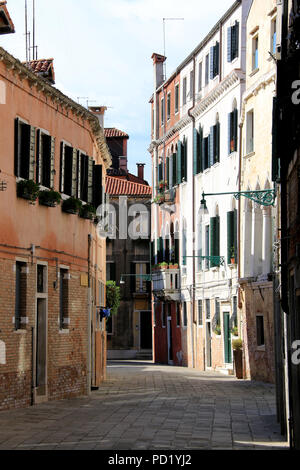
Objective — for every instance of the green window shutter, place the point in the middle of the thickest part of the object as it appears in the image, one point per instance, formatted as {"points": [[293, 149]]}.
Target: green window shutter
{"points": [[78, 175], [235, 235], [200, 151], [186, 160], [183, 161], [38, 156], [235, 128], [62, 167], [17, 147], [32, 152], [160, 173], [52, 162], [174, 169], [211, 147], [91, 164], [195, 152], [213, 240], [229, 132], [179, 156], [230, 235], [168, 171]]}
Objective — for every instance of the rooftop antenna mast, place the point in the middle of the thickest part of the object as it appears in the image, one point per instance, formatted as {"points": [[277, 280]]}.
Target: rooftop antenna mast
{"points": [[26, 32], [164, 31], [34, 47]]}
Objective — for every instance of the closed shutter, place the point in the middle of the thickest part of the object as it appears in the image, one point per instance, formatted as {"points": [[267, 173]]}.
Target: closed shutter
{"points": [[211, 147], [229, 54], [160, 172], [212, 62], [74, 173], [152, 254], [212, 240], [52, 162], [235, 128], [39, 162], [32, 152], [200, 151], [237, 33], [195, 152], [217, 142], [203, 153], [62, 167], [184, 160], [229, 132], [97, 186], [91, 164], [167, 171], [235, 235], [174, 163], [176, 242], [179, 156], [217, 58], [17, 148]]}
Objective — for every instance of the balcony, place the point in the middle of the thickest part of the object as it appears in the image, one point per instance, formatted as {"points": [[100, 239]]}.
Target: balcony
{"points": [[166, 283]]}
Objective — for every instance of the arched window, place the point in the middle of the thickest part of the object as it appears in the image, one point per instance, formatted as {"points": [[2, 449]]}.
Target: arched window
{"points": [[233, 128]]}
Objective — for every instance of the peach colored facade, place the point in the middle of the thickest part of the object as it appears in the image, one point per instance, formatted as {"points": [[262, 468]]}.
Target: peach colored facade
{"points": [[45, 239]]}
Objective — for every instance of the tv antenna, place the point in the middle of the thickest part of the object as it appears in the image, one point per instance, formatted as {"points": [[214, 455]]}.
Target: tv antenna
{"points": [[164, 32], [34, 47]]}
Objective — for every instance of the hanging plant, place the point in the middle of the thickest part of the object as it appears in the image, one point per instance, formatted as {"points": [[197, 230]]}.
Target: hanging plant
{"points": [[87, 212], [71, 205], [112, 297], [49, 198], [28, 189]]}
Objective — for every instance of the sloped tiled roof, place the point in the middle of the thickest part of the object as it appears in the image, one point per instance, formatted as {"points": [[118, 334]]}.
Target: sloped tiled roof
{"points": [[6, 24], [125, 175], [113, 132], [121, 187], [42, 67]]}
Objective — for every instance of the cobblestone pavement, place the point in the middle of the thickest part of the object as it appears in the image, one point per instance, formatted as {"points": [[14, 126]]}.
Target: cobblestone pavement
{"points": [[147, 406]]}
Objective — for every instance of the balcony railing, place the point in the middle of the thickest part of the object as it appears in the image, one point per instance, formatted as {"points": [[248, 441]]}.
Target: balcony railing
{"points": [[166, 283]]}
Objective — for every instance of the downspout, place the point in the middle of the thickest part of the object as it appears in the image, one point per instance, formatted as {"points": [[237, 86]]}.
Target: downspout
{"points": [[193, 233], [89, 336]]}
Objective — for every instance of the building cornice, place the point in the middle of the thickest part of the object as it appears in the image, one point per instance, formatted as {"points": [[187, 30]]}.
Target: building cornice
{"points": [[43, 86]]}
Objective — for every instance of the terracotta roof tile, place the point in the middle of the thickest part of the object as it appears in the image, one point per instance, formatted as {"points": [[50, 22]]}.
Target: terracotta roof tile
{"points": [[43, 67], [113, 132], [117, 186]]}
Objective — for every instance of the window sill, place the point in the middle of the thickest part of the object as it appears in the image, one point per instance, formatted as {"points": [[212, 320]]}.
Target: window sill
{"points": [[254, 72], [20, 331], [64, 332], [250, 154], [261, 348]]}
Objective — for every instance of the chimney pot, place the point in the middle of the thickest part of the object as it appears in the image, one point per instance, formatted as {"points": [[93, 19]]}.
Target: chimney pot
{"points": [[140, 167]]}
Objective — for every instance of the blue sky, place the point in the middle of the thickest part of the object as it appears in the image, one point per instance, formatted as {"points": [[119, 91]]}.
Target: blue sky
{"points": [[102, 50]]}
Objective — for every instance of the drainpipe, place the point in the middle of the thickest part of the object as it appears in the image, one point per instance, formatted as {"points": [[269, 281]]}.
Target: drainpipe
{"points": [[193, 206], [89, 338]]}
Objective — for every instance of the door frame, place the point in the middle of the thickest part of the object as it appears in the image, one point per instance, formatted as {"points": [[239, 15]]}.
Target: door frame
{"points": [[140, 332], [208, 344], [228, 338], [43, 296]]}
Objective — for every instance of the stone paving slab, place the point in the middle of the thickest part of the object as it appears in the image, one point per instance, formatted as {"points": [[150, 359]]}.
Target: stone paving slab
{"points": [[147, 406]]}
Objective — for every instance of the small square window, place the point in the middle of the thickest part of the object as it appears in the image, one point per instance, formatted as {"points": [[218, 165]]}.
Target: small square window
{"points": [[255, 53], [260, 335]]}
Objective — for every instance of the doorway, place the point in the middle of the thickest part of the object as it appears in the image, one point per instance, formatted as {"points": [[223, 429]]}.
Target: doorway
{"points": [[227, 339], [145, 330], [41, 349]]}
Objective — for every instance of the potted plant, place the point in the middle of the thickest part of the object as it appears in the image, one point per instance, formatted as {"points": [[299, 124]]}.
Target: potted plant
{"points": [[162, 185], [28, 189], [232, 255], [237, 346], [164, 265], [217, 330], [112, 296], [159, 199], [71, 205], [235, 331], [49, 198], [173, 266], [87, 212]]}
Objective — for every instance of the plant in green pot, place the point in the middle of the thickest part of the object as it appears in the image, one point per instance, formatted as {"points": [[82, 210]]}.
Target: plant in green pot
{"points": [[72, 205], [217, 330], [87, 211], [28, 189], [237, 346], [49, 198]]}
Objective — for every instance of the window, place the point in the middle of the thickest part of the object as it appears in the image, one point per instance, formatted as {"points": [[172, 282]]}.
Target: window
{"points": [[233, 42], [214, 149], [184, 314], [207, 69], [178, 322], [20, 298], [250, 132], [163, 315], [207, 308], [232, 237], [162, 113], [234, 312], [191, 84], [64, 299], [206, 158], [45, 159], [200, 313], [215, 241], [169, 107], [217, 312], [109, 325], [41, 279], [260, 336], [214, 60], [176, 98], [200, 77], [255, 53], [25, 137], [232, 131], [184, 91], [111, 271], [138, 279], [207, 246], [273, 36]]}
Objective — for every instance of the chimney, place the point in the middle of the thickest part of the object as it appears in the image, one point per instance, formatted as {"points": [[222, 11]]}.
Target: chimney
{"points": [[158, 63], [99, 111], [140, 167], [123, 163]]}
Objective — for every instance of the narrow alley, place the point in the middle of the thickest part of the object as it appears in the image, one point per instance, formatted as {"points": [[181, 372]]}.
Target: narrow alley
{"points": [[147, 406]]}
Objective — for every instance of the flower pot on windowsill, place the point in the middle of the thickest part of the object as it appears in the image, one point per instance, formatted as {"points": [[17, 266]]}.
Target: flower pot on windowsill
{"points": [[49, 198], [87, 212], [71, 205], [28, 189]]}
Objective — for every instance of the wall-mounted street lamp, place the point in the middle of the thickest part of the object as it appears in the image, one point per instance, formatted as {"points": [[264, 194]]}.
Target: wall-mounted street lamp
{"points": [[216, 260], [144, 277], [265, 197]]}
